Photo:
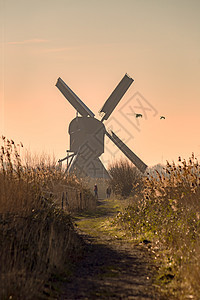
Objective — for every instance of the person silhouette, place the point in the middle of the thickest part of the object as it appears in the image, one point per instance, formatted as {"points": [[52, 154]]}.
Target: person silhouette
{"points": [[108, 191], [96, 191]]}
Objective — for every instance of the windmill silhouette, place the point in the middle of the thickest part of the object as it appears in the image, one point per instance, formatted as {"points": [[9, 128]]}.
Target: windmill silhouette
{"points": [[87, 133]]}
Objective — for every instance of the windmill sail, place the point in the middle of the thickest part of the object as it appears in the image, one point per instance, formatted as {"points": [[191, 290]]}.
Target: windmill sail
{"points": [[87, 134], [73, 99], [115, 97], [132, 156]]}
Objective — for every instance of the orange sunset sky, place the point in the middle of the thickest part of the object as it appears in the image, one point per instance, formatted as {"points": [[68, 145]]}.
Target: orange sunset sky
{"points": [[91, 44]]}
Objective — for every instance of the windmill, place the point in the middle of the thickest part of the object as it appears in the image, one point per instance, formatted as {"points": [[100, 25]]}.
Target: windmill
{"points": [[87, 133]]}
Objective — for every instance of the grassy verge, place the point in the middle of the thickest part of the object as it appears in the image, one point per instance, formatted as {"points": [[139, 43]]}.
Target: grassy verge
{"points": [[37, 236], [166, 217], [94, 223]]}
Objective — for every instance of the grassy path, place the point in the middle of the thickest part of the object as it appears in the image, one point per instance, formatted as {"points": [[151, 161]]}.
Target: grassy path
{"points": [[113, 267]]}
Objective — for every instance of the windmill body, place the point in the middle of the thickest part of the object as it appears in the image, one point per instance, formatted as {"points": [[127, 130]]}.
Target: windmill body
{"points": [[87, 133], [87, 143], [87, 130]]}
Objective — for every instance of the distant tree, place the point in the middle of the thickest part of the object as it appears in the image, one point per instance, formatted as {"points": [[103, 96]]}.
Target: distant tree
{"points": [[125, 179], [158, 167]]}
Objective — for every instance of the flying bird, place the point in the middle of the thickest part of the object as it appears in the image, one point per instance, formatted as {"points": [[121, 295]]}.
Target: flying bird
{"points": [[162, 117], [138, 115]]}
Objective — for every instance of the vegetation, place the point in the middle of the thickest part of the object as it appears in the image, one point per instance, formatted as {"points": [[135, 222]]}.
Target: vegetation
{"points": [[37, 237], [166, 217], [125, 178]]}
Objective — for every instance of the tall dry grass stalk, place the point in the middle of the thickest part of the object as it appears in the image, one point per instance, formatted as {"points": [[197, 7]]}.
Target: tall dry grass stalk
{"points": [[167, 214], [36, 236]]}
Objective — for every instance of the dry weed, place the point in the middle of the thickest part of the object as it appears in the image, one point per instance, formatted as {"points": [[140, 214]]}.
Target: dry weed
{"points": [[36, 236], [166, 214]]}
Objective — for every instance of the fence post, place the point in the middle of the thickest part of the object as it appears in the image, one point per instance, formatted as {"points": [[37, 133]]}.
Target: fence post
{"points": [[66, 202], [81, 202], [63, 199]]}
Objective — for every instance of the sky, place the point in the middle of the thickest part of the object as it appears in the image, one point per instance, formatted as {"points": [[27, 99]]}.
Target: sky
{"points": [[91, 45]]}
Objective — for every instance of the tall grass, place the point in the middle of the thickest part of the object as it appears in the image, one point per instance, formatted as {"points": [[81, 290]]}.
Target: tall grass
{"points": [[166, 215], [37, 237]]}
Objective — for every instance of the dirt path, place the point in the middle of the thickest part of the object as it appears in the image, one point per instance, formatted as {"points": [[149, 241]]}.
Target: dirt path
{"points": [[113, 267]]}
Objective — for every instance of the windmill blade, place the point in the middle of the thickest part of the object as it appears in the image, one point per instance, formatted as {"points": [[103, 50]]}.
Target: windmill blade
{"points": [[132, 156], [115, 97], [73, 99]]}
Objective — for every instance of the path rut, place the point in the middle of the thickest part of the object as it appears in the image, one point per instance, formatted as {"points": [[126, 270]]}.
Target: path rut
{"points": [[111, 268]]}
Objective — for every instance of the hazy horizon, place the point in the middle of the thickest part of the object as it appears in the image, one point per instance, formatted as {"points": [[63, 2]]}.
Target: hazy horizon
{"points": [[91, 45]]}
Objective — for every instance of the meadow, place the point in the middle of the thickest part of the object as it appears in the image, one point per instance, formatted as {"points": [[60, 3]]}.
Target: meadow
{"points": [[165, 216], [37, 237], [38, 241]]}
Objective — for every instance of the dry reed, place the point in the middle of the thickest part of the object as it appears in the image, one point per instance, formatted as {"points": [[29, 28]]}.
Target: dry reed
{"points": [[37, 237], [166, 215]]}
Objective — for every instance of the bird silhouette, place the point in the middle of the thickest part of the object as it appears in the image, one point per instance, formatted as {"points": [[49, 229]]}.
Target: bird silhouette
{"points": [[138, 115], [162, 117]]}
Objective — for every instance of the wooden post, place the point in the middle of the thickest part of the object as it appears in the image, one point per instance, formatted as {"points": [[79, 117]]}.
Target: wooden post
{"points": [[63, 196]]}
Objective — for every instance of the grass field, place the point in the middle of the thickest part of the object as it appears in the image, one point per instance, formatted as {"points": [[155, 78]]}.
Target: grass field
{"points": [[166, 216], [37, 236]]}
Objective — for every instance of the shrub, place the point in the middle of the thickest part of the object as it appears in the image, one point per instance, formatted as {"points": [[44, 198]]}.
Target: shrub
{"points": [[125, 178]]}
